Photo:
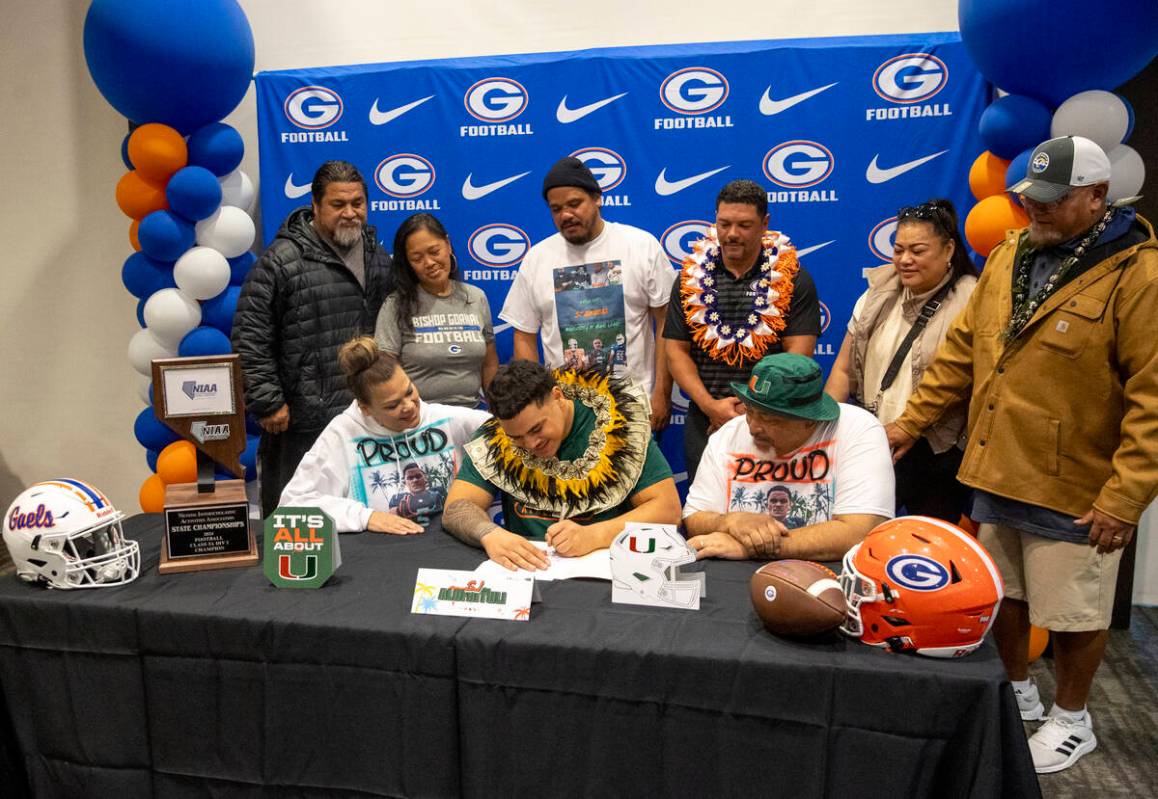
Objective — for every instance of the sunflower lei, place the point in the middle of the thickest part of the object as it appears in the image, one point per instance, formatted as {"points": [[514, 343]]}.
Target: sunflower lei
{"points": [[599, 479], [760, 328]]}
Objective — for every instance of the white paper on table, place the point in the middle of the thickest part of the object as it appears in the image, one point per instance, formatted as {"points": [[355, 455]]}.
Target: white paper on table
{"points": [[596, 565]]}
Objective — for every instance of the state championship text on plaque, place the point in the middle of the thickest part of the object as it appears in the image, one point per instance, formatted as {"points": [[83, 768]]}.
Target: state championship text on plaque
{"points": [[206, 522]]}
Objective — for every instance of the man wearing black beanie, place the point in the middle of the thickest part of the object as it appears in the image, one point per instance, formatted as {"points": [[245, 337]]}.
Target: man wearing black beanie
{"points": [[593, 279]]}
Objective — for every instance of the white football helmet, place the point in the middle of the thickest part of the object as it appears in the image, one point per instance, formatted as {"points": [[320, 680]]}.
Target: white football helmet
{"points": [[645, 560], [66, 533]]}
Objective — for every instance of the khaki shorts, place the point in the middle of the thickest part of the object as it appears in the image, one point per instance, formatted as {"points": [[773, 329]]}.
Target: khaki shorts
{"points": [[1069, 587]]}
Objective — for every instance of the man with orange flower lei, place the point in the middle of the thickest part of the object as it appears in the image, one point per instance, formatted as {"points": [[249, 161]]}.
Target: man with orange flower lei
{"points": [[741, 295], [572, 456]]}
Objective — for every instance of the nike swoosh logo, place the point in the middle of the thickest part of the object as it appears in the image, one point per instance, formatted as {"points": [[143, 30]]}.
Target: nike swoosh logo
{"points": [[808, 250], [292, 191], [770, 107], [382, 117], [568, 115], [472, 192], [665, 187], [874, 174]]}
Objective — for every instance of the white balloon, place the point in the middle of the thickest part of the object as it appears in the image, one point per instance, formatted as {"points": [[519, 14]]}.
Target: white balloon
{"points": [[229, 230], [1098, 115], [1127, 172], [237, 190], [170, 314], [144, 383], [144, 347], [201, 272]]}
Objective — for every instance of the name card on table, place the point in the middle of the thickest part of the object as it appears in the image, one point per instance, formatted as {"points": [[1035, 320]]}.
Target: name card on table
{"points": [[645, 568], [302, 550], [446, 592]]}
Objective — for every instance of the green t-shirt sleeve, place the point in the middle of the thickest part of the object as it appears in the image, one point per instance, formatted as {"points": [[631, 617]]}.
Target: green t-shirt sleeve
{"points": [[655, 468], [468, 473]]}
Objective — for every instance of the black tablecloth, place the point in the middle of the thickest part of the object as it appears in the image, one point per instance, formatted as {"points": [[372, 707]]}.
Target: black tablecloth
{"points": [[216, 683]]}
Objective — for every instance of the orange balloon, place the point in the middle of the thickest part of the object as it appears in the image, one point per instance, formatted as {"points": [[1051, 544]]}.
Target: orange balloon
{"points": [[968, 525], [152, 496], [157, 151], [987, 175], [986, 224], [134, 239], [177, 463], [138, 197], [1038, 641]]}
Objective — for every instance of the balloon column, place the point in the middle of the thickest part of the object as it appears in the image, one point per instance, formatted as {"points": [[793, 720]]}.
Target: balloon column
{"points": [[1058, 62], [174, 68]]}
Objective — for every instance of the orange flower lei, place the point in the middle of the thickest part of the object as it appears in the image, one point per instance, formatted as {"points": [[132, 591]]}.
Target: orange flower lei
{"points": [[760, 328]]}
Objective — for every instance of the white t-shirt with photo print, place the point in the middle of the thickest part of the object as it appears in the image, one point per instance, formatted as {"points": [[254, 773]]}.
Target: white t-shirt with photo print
{"points": [[845, 467], [622, 259]]}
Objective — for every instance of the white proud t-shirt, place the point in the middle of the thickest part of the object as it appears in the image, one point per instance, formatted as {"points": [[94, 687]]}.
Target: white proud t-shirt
{"points": [[357, 466], [596, 295], [845, 467]]}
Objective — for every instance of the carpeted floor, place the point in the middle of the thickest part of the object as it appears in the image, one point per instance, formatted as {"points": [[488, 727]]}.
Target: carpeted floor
{"points": [[1124, 704]]}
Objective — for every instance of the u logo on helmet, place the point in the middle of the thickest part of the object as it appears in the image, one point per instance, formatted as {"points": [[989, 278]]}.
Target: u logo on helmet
{"points": [[404, 175], [917, 573], [496, 99], [694, 90], [313, 107], [910, 78]]}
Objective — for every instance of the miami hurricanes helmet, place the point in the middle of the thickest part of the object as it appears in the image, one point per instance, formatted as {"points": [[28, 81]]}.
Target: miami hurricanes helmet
{"points": [[67, 534], [644, 558], [920, 585]]}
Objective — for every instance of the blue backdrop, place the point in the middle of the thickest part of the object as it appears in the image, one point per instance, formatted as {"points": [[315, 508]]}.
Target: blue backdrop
{"points": [[841, 131]]}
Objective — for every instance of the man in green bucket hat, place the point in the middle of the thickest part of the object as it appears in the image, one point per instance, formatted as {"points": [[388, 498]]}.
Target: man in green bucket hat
{"points": [[834, 459]]}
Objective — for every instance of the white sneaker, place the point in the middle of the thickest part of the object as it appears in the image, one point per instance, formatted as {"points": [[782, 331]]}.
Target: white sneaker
{"points": [[1059, 743], [1029, 703]]}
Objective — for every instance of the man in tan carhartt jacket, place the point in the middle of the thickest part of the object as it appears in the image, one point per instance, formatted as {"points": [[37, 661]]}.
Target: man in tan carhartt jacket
{"points": [[1056, 355]]}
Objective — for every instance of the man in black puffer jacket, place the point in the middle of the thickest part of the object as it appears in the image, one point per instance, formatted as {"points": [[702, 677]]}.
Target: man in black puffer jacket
{"points": [[319, 284]]}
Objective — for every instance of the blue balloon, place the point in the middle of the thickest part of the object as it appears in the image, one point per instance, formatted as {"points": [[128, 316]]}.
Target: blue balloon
{"points": [[239, 267], [1053, 51], [151, 433], [1129, 117], [141, 312], [193, 192], [1018, 167], [165, 236], [1012, 123], [217, 147], [185, 63], [218, 311], [143, 276], [204, 341], [151, 456], [125, 148], [249, 458]]}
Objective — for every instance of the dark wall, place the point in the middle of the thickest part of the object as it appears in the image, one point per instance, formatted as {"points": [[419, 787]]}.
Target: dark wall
{"points": [[1142, 92]]}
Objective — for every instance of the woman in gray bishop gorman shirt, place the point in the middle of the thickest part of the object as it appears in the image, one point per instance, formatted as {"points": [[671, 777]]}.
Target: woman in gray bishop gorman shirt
{"points": [[439, 327]]}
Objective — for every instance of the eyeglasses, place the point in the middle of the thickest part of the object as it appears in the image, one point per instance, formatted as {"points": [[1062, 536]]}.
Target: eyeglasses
{"points": [[927, 212]]}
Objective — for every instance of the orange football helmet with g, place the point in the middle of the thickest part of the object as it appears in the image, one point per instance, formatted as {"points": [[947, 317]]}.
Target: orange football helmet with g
{"points": [[917, 584]]}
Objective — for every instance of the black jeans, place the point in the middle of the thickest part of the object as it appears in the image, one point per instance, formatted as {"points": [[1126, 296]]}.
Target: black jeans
{"points": [[279, 456], [927, 483], [695, 438]]}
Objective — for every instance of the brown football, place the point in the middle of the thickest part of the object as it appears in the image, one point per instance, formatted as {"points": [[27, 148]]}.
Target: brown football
{"points": [[797, 597]]}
